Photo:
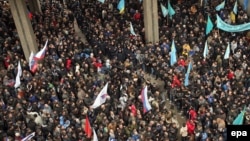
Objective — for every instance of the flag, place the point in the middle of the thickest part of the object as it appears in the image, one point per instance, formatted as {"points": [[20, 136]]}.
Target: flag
{"points": [[245, 4], [87, 129], [19, 68], [121, 6], [173, 58], [102, 1], [18, 80], [235, 10], [205, 52], [209, 26], [30, 136], [132, 29], [32, 63], [94, 136], [140, 0], [220, 6], [240, 118], [164, 10], [227, 53], [40, 55], [186, 81], [144, 97], [171, 11], [101, 97]]}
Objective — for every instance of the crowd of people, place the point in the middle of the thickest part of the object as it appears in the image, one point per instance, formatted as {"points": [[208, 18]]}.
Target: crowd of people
{"points": [[54, 101]]}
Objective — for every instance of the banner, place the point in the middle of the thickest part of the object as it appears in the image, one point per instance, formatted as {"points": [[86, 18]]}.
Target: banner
{"points": [[231, 28]]}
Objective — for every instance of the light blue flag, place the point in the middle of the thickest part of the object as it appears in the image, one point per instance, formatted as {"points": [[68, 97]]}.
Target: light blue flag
{"points": [[102, 1], [121, 6], [189, 68], [164, 10], [240, 118], [227, 53], [132, 29], [173, 57], [171, 11], [186, 81], [205, 52], [245, 4], [220, 6], [209, 26], [235, 10], [231, 28]]}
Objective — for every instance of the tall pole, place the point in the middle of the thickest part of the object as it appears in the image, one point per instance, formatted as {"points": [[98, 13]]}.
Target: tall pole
{"points": [[24, 28]]}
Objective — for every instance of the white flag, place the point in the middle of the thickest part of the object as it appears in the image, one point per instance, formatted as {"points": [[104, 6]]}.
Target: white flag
{"points": [[101, 97], [94, 136], [19, 69], [30, 59], [30, 136], [18, 80]]}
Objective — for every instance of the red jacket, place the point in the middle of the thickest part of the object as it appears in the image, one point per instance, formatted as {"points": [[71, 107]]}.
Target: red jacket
{"points": [[190, 127], [176, 82], [137, 16], [68, 64], [133, 109], [7, 61], [182, 63], [230, 75], [193, 114]]}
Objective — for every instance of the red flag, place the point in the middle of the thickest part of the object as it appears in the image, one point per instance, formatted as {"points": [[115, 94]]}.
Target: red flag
{"points": [[30, 15], [88, 130]]}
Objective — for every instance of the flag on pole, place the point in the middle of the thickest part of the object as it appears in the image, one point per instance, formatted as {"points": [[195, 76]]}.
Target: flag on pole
{"points": [[102, 1], [186, 81], [245, 4], [32, 63], [132, 29], [121, 6], [171, 11], [227, 53], [144, 97], [205, 52], [40, 55], [30, 136], [164, 10], [220, 6], [173, 57], [209, 26], [101, 97], [235, 10], [19, 68], [88, 130], [240, 118], [94, 136], [18, 80]]}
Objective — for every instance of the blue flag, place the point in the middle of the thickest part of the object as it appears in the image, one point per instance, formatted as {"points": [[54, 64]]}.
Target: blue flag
{"points": [[235, 10], [245, 3], [173, 57], [186, 81], [227, 53], [132, 29], [231, 28], [102, 1], [164, 10], [171, 11], [240, 118], [121, 6], [209, 26], [220, 6], [205, 52]]}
